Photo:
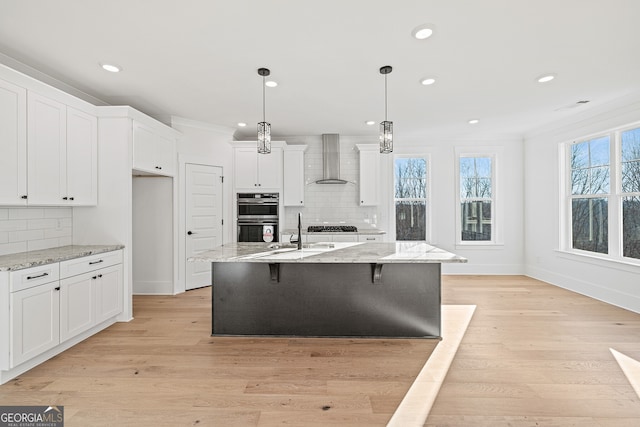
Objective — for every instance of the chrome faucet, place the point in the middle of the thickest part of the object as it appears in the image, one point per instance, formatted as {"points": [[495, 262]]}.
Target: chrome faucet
{"points": [[299, 241]]}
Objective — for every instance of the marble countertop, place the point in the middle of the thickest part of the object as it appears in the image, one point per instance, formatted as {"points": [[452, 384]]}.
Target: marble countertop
{"points": [[21, 260], [338, 252]]}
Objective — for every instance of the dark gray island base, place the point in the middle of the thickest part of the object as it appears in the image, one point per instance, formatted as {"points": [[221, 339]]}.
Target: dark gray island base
{"points": [[327, 289], [326, 300]]}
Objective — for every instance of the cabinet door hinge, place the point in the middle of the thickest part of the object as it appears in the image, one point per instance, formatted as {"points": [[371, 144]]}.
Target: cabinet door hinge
{"points": [[222, 179], [222, 221]]}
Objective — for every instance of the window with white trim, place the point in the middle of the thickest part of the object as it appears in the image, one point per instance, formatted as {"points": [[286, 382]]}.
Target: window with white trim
{"points": [[603, 195], [411, 197], [630, 192], [476, 198]]}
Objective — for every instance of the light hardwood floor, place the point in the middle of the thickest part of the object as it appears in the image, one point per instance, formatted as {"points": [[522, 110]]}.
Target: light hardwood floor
{"points": [[534, 355], [537, 355]]}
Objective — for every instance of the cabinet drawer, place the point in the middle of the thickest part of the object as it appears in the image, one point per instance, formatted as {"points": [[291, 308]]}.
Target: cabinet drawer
{"points": [[82, 265], [34, 276]]}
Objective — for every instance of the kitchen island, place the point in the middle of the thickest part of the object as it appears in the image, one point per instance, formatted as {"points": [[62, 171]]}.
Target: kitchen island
{"points": [[327, 289]]}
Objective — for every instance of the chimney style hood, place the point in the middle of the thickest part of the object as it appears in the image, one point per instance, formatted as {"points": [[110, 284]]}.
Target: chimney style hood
{"points": [[331, 160]]}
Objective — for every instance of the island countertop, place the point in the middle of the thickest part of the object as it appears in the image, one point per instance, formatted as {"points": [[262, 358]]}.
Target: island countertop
{"points": [[338, 252]]}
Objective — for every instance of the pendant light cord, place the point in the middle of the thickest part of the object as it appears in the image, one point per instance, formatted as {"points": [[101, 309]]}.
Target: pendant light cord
{"points": [[385, 97], [263, 102]]}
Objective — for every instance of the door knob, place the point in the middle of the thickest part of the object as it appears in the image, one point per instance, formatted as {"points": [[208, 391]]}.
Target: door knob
{"points": [[190, 233]]}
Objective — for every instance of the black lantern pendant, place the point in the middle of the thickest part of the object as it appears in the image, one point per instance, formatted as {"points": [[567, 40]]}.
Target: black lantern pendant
{"points": [[386, 127], [264, 128]]}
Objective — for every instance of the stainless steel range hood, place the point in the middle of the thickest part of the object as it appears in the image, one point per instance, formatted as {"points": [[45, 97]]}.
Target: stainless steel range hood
{"points": [[331, 160]]}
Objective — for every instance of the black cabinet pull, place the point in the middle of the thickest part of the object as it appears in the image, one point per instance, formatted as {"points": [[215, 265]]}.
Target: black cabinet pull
{"points": [[190, 233], [38, 276], [99, 275], [57, 289], [70, 198], [65, 198], [24, 197], [96, 262], [94, 277]]}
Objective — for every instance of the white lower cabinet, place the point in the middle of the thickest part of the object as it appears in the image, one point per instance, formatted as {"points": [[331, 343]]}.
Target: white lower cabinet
{"points": [[53, 303], [77, 313], [35, 321]]}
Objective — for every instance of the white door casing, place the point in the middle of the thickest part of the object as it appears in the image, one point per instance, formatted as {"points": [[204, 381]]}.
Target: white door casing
{"points": [[203, 217]]}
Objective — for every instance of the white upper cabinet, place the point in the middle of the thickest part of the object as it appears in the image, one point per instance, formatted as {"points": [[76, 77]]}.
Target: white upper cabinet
{"points": [[257, 172], [293, 185], [62, 149], [369, 174], [47, 150], [13, 144], [152, 152], [82, 158]]}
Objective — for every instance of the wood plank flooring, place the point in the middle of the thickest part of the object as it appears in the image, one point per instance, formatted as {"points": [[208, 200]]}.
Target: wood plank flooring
{"points": [[534, 355], [163, 368], [537, 355]]}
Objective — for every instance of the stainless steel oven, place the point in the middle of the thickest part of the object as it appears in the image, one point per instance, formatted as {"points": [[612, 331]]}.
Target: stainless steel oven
{"points": [[258, 217]]}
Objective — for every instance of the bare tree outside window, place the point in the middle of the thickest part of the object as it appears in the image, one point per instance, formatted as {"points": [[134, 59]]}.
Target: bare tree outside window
{"points": [[590, 181], [411, 198], [630, 148], [476, 192]]}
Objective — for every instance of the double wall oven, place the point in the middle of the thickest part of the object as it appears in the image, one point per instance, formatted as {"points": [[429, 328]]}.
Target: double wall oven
{"points": [[258, 217]]}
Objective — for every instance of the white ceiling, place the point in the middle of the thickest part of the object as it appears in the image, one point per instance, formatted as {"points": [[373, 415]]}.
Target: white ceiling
{"points": [[198, 59]]}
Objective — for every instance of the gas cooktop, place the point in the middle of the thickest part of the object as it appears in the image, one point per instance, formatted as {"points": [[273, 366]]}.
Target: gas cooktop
{"points": [[332, 229]]}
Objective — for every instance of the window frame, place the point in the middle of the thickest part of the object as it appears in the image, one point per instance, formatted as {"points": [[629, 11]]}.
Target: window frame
{"points": [[495, 153], [614, 197], [427, 199]]}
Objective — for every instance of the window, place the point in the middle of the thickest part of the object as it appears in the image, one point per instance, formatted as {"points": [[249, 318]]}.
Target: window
{"points": [[410, 197], [603, 195], [630, 194], [476, 198], [590, 185]]}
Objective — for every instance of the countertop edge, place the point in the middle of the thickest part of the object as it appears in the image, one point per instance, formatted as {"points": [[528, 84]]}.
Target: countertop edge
{"points": [[22, 260]]}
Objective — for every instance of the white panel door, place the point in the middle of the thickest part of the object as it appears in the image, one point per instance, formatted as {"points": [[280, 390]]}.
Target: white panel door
{"points": [[82, 158], [46, 150], [203, 219], [13, 144]]}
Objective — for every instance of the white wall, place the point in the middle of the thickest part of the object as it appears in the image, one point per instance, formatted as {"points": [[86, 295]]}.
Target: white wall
{"points": [[204, 144], [152, 235], [613, 282], [505, 258]]}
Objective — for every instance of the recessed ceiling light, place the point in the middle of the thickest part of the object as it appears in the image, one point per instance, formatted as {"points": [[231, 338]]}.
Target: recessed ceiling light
{"points": [[546, 78], [473, 121], [427, 81], [111, 68], [370, 123], [422, 32], [270, 83], [242, 124]]}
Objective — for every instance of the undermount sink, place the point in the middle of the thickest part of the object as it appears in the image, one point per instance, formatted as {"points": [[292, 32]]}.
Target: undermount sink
{"points": [[320, 245]]}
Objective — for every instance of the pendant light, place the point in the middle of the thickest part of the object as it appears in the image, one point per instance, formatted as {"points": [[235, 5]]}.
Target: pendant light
{"points": [[264, 128], [386, 127]]}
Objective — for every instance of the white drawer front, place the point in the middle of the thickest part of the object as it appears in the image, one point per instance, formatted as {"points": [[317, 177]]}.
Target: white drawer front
{"points": [[85, 264], [34, 276]]}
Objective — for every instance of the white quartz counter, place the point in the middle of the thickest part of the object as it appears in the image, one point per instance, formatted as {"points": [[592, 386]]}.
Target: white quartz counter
{"points": [[360, 232], [22, 260], [374, 252]]}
